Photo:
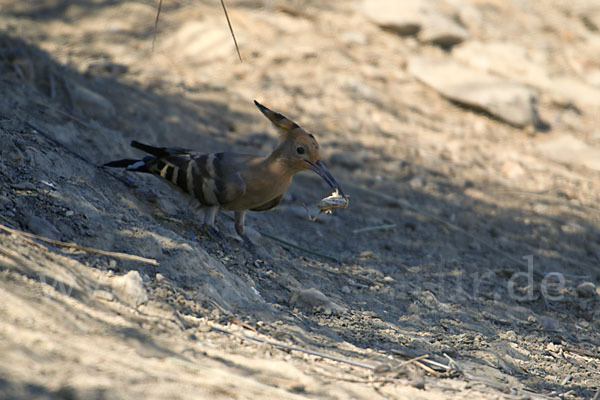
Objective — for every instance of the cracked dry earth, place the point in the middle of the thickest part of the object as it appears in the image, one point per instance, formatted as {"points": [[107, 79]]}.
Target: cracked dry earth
{"points": [[456, 188]]}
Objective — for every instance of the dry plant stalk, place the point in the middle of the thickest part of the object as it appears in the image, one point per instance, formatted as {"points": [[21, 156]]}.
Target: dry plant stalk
{"points": [[237, 49]]}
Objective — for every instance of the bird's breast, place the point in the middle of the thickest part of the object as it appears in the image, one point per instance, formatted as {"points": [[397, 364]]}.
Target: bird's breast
{"points": [[259, 192]]}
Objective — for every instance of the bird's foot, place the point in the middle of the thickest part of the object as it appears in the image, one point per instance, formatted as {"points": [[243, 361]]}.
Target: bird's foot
{"points": [[251, 246], [214, 233]]}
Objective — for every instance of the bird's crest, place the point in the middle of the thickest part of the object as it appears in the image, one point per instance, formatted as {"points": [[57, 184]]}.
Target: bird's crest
{"points": [[285, 126]]}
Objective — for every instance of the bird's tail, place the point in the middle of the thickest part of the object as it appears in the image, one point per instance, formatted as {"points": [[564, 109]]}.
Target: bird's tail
{"points": [[131, 165], [145, 164]]}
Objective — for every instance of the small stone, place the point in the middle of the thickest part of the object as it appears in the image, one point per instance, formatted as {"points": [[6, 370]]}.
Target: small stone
{"points": [[70, 213], [548, 323], [314, 299], [345, 289], [586, 290], [103, 295], [402, 17], [129, 288], [159, 277], [42, 227], [416, 182], [367, 254], [442, 31], [511, 170]]}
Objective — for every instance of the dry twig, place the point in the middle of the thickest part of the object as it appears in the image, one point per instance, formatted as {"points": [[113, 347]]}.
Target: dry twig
{"points": [[123, 256], [237, 49]]}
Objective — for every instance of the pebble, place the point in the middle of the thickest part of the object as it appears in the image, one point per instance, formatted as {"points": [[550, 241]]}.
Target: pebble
{"points": [[345, 289], [103, 295], [312, 299], [548, 323], [402, 17], [442, 31], [129, 288], [367, 254], [586, 290]]}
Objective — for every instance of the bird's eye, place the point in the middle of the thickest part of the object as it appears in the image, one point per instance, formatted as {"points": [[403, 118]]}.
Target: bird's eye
{"points": [[300, 150]]}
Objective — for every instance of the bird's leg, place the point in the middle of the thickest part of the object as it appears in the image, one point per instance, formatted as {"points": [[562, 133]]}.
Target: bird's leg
{"points": [[209, 222], [240, 217]]}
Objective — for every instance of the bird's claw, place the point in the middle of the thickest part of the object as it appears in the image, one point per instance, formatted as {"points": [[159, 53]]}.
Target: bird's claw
{"points": [[251, 246], [214, 233]]}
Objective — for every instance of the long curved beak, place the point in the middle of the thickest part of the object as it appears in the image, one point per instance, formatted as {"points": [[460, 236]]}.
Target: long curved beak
{"points": [[320, 168]]}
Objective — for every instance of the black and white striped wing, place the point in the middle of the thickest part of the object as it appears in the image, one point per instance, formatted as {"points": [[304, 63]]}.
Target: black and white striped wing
{"points": [[205, 177], [202, 176]]}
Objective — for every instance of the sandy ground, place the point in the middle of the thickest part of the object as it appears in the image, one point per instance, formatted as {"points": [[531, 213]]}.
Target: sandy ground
{"points": [[462, 195]]}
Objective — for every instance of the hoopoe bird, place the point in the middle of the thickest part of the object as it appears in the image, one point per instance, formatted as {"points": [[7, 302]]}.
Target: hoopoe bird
{"points": [[233, 181]]}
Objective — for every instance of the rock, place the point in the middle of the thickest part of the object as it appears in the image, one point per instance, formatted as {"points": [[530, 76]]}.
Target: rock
{"points": [[367, 254], [586, 290], [345, 289], [103, 295], [504, 99], [129, 288], [314, 299], [90, 102], [506, 59], [412, 17], [41, 227], [511, 169], [442, 31], [402, 17], [548, 323], [524, 65], [568, 149]]}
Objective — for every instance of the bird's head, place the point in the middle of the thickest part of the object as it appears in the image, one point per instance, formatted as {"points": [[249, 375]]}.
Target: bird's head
{"points": [[298, 148]]}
